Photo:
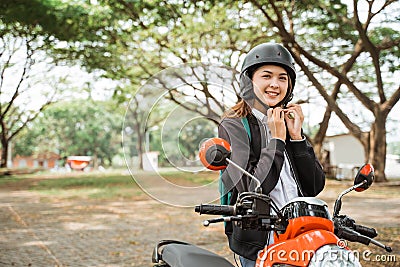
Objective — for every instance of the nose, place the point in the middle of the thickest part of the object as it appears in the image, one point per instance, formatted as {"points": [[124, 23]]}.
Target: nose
{"points": [[274, 83]]}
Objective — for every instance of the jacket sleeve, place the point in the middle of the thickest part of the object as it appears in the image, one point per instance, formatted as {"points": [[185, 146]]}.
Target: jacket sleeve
{"points": [[268, 167], [309, 170]]}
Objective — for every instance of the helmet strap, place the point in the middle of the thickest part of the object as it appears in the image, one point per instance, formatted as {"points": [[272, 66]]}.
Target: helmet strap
{"points": [[262, 105], [286, 100]]}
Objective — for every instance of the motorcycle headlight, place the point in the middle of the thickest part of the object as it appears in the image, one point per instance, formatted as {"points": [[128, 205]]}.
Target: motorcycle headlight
{"points": [[334, 256]]}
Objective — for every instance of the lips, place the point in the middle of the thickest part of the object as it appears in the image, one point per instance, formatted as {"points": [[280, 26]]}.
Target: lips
{"points": [[272, 94]]}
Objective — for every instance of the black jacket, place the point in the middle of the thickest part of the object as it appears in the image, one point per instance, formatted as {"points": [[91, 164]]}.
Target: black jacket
{"points": [[265, 163]]}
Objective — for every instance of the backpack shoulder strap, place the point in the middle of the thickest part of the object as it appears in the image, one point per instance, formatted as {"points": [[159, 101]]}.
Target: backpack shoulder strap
{"points": [[246, 125]]}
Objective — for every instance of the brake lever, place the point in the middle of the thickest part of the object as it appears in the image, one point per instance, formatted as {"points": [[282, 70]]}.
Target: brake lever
{"points": [[222, 219], [379, 244], [352, 235]]}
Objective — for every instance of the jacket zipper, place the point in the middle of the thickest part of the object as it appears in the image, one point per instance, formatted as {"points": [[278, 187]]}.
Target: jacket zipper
{"points": [[294, 175]]}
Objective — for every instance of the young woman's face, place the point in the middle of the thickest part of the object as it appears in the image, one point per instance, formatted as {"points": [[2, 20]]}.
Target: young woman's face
{"points": [[270, 84]]}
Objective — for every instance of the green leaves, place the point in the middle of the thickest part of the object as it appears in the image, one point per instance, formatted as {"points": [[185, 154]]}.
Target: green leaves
{"points": [[65, 20], [80, 127]]}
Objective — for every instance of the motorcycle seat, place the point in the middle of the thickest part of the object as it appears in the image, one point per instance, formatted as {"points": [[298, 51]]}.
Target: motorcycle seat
{"points": [[181, 254]]}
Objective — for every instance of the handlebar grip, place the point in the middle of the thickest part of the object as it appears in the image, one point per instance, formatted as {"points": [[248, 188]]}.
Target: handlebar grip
{"points": [[364, 230], [351, 235], [215, 209]]}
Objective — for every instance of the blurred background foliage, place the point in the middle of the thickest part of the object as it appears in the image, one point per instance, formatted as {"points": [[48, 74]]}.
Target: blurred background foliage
{"points": [[71, 69]]}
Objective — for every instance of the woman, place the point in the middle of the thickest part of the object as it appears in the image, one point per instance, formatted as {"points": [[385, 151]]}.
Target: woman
{"points": [[265, 134]]}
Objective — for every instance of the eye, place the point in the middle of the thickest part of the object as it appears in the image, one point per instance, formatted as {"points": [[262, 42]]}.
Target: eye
{"points": [[283, 78]]}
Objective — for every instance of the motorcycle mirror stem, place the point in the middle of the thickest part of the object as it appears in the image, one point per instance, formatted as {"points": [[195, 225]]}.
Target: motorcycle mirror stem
{"points": [[215, 154], [338, 202], [258, 188], [363, 180]]}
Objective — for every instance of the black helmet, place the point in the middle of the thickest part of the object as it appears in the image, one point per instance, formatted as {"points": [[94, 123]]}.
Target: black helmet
{"points": [[262, 54]]}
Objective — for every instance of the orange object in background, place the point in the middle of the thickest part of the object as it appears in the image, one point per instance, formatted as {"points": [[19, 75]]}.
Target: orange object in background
{"points": [[78, 162]]}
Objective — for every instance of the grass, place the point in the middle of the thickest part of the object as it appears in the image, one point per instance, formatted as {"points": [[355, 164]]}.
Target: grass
{"points": [[184, 178], [121, 185], [86, 181], [97, 185], [9, 179]]}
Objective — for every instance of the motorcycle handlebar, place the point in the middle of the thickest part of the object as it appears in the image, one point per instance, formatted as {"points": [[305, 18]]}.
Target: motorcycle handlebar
{"points": [[346, 228], [351, 235], [364, 230], [346, 221], [215, 209]]}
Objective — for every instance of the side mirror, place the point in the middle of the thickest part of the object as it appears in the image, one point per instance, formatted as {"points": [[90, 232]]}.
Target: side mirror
{"points": [[214, 152], [366, 173], [362, 181]]}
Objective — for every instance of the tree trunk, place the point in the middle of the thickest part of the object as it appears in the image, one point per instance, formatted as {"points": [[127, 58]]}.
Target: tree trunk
{"points": [[323, 127], [4, 153], [321, 134], [95, 162], [377, 151], [139, 144]]}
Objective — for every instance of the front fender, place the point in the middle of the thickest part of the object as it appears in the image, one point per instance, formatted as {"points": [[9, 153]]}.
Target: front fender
{"points": [[296, 251]]}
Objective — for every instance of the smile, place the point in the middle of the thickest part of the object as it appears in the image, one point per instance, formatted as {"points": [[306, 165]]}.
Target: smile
{"points": [[272, 93]]}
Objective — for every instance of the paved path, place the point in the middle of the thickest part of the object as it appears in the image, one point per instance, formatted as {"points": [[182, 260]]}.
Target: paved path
{"points": [[93, 233], [43, 232]]}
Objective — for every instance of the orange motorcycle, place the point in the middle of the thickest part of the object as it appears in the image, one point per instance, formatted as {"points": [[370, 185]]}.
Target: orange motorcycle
{"points": [[305, 234]]}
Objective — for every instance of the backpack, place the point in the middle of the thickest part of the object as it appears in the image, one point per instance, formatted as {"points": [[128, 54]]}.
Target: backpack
{"points": [[225, 198]]}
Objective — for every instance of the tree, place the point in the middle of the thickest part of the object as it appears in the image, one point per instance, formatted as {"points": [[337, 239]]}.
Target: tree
{"points": [[340, 52], [19, 56], [37, 35], [164, 41], [73, 31], [136, 127], [179, 135], [77, 127], [187, 33], [329, 38], [154, 122]]}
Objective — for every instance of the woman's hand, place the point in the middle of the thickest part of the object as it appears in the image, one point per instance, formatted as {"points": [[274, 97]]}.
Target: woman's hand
{"points": [[294, 120], [276, 123]]}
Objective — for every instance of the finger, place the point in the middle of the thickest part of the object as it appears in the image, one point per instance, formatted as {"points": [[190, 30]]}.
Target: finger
{"points": [[270, 112], [296, 111], [273, 113], [289, 113], [278, 113]]}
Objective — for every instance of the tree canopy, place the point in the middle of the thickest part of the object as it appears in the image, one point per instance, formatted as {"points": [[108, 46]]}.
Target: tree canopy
{"points": [[348, 52], [79, 127]]}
